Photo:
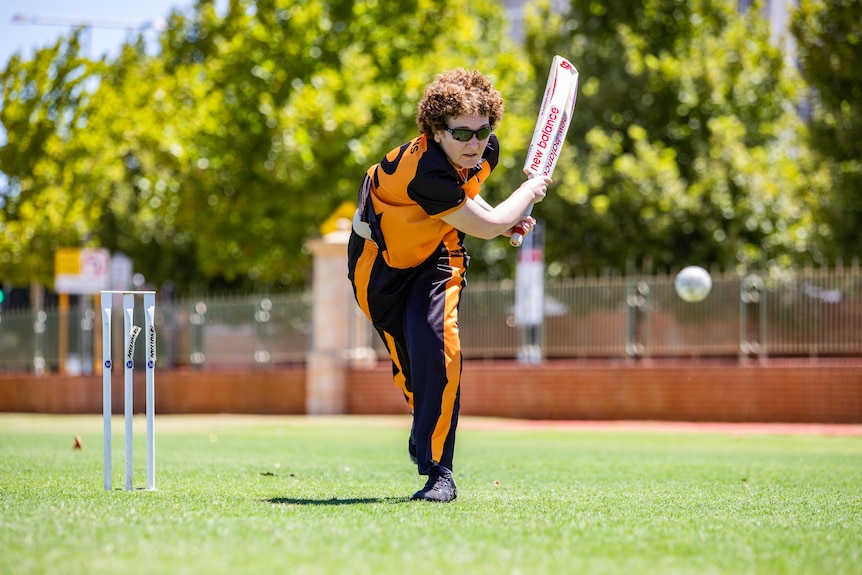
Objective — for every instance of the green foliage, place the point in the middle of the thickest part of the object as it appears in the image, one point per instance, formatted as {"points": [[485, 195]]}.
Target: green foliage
{"points": [[829, 45], [42, 113], [685, 138], [215, 161], [279, 107], [265, 119], [212, 162]]}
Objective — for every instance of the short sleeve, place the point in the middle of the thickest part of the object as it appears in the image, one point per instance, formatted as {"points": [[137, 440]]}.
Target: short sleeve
{"points": [[436, 192]]}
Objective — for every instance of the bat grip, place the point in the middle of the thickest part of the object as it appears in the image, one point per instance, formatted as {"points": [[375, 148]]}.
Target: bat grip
{"points": [[518, 233]]}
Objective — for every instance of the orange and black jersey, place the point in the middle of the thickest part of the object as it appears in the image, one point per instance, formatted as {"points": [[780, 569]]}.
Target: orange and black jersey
{"points": [[404, 197]]}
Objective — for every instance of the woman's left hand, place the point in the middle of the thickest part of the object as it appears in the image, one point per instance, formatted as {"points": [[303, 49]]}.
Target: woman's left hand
{"points": [[527, 224]]}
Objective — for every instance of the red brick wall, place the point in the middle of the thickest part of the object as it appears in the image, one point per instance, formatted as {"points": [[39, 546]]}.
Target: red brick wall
{"points": [[777, 391], [798, 391], [262, 392]]}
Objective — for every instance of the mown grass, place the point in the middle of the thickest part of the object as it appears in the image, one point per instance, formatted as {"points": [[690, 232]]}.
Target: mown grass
{"points": [[330, 495]]}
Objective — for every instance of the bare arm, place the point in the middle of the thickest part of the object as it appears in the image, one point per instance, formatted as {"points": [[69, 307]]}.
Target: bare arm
{"points": [[481, 201], [477, 217]]}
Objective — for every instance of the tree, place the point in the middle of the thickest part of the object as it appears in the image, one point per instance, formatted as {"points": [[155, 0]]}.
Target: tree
{"points": [[45, 199], [212, 162], [685, 146], [250, 128], [135, 147], [829, 44]]}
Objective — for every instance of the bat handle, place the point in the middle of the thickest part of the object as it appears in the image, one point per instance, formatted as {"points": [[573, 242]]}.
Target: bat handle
{"points": [[518, 233], [517, 237]]}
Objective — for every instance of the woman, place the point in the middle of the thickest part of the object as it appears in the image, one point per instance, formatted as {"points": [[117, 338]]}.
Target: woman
{"points": [[407, 261]]}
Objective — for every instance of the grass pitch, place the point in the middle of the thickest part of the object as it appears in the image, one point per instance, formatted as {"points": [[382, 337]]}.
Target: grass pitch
{"points": [[330, 495]]}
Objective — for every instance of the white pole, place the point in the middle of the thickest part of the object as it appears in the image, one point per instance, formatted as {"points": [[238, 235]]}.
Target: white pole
{"points": [[107, 305], [150, 325], [129, 344]]}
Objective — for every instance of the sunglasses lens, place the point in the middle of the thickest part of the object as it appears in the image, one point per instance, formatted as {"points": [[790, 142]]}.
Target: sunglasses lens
{"points": [[465, 135], [462, 135]]}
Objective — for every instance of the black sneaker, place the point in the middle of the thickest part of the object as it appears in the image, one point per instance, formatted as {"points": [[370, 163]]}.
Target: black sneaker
{"points": [[440, 487], [411, 444]]}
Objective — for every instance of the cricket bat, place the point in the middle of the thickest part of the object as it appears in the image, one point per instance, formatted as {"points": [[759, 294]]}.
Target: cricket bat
{"points": [[558, 104]]}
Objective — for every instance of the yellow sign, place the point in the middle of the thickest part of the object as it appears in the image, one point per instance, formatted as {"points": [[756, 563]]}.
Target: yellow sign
{"points": [[67, 261], [81, 270]]}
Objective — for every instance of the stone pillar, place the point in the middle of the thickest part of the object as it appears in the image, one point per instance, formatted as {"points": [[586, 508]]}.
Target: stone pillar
{"points": [[332, 307]]}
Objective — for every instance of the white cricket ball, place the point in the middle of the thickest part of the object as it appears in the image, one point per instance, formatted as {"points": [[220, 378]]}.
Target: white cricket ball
{"points": [[693, 283]]}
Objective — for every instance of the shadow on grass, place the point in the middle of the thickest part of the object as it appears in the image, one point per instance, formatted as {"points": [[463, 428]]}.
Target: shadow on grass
{"points": [[334, 501]]}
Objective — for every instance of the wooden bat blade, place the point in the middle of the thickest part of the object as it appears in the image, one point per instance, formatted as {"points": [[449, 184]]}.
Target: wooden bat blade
{"points": [[553, 119], [552, 125]]}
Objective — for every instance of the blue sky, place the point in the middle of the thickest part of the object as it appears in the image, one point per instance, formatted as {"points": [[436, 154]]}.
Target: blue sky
{"points": [[26, 38]]}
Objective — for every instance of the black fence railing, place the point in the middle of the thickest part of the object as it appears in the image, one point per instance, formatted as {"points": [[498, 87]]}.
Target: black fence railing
{"points": [[800, 312]]}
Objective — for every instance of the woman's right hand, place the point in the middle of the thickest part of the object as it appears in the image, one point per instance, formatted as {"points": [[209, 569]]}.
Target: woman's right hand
{"points": [[537, 186]]}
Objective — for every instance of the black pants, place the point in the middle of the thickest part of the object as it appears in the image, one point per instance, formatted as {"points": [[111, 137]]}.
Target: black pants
{"points": [[415, 311]]}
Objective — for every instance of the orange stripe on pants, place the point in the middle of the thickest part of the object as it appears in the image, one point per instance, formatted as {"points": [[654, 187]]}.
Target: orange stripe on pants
{"points": [[452, 355]]}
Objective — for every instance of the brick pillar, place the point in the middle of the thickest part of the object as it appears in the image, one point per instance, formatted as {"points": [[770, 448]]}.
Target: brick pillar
{"points": [[332, 307]]}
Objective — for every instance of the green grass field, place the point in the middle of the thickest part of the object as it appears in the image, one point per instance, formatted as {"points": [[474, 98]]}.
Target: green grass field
{"points": [[330, 495]]}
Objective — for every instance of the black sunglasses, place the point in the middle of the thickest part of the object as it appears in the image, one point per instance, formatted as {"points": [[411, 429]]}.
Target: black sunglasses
{"points": [[465, 135]]}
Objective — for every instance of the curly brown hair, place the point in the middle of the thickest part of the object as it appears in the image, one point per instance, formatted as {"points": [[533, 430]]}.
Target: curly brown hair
{"points": [[456, 93]]}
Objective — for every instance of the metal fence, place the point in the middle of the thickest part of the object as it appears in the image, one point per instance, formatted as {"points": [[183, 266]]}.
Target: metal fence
{"points": [[210, 332], [804, 312]]}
